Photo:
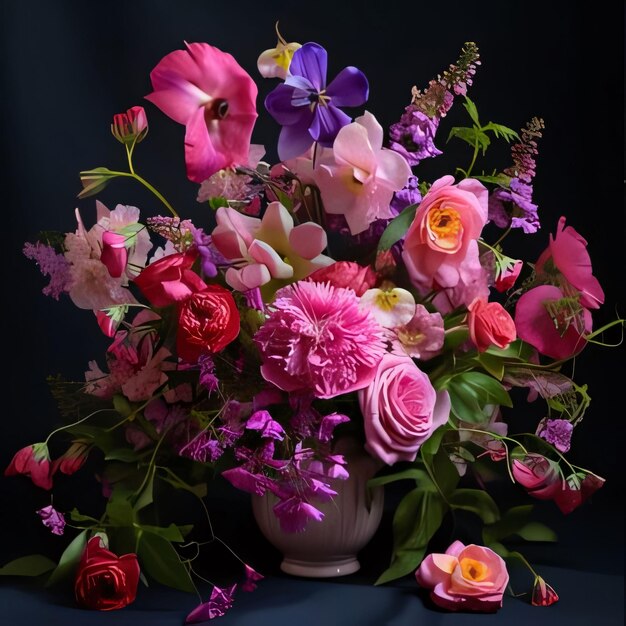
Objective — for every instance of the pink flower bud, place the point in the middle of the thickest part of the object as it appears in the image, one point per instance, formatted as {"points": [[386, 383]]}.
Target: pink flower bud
{"points": [[543, 594], [538, 475], [130, 127], [505, 278], [33, 461], [114, 254], [72, 459]]}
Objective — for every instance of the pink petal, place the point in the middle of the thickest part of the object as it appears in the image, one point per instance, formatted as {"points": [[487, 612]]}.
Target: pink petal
{"points": [[264, 254], [248, 277], [374, 130], [392, 169], [308, 240], [200, 156], [353, 148]]}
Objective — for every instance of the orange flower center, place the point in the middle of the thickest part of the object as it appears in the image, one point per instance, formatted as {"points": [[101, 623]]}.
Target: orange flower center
{"points": [[473, 570], [445, 227]]}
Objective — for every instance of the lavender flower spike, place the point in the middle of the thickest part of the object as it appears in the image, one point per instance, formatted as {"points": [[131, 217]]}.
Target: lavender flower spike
{"points": [[306, 108]]}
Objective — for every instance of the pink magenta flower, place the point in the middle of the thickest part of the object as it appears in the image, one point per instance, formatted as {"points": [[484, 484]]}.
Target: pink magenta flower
{"points": [[211, 94], [52, 519], [465, 578], [318, 339], [538, 475], [490, 325], [440, 247], [552, 323], [130, 127], [271, 248], [33, 461], [567, 254], [401, 409], [361, 183], [114, 254]]}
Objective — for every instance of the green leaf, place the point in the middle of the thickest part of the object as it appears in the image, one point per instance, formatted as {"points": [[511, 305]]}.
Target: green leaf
{"points": [[397, 228], [418, 475], [161, 561], [502, 180], [501, 131], [517, 350], [122, 405], [473, 136], [120, 511], [509, 524], [199, 490], [31, 565], [483, 389], [95, 180], [171, 533], [431, 445], [476, 501], [146, 497], [492, 364], [416, 520], [126, 455], [463, 403], [536, 531], [217, 202], [454, 337], [470, 107], [69, 559], [77, 516]]}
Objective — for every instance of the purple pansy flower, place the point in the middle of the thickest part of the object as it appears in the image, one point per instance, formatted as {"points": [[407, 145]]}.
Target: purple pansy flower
{"points": [[306, 108]]}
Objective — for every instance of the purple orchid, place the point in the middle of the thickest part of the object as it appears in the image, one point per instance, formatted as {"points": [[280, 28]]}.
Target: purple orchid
{"points": [[306, 108]]}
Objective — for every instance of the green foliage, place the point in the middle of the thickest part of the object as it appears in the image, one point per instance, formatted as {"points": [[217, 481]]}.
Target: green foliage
{"points": [[69, 560], [161, 561], [509, 524], [413, 473], [397, 228], [476, 501], [95, 180], [31, 565], [471, 391], [217, 202]]}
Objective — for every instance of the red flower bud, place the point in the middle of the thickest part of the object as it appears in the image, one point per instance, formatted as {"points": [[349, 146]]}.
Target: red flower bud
{"points": [[72, 459], [543, 594], [33, 461], [130, 127]]}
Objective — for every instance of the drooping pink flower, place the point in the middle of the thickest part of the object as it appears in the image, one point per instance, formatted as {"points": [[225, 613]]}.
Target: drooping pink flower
{"points": [[271, 248], [538, 475], [401, 409], [361, 183], [440, 245], [318, 339], [33, 461], [252, 577], [575, 489], [567, 254], [551, 322], [211, 94], [52, 519], [507, 274], [72, 459], [465, 578], [543, 593]]}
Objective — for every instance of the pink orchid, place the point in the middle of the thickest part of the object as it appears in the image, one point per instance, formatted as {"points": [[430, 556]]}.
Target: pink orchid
{"points": [[209, 92], [362, 181], [271, 248]]}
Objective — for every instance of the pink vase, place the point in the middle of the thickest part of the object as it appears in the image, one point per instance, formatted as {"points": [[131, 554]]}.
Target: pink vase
{"points": [[329, 548]]}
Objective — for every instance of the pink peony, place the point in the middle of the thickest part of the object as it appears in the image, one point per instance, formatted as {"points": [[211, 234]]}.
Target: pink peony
{"points": [[490, 325], [362, 181], [208, 91], [401, 410], [567, 253], [271, 248], [318, 339], [552, 323], [440, 247], [465, 578]]}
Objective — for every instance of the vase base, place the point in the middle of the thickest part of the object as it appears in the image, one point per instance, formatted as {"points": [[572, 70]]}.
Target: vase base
{"points": [[325, 569]]}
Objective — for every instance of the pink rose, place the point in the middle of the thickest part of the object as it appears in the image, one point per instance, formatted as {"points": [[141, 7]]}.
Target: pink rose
{"points": [[567, 253], [490, 325], [401, 409], [546, 320], [538, 475], [465, 578], [440, 244], [170, 279]]}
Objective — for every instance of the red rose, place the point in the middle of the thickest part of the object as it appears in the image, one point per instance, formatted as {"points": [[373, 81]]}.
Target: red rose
{"points": [[347, 275], [208, 321], [170, 279], [490, 325], [105, 581]]}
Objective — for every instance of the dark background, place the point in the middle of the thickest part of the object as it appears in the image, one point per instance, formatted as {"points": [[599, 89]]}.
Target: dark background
{"points": [[68, 66]]}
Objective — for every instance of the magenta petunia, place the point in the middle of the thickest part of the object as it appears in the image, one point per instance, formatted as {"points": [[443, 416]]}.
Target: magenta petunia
{"points": [[211, 94], [319, 339]]}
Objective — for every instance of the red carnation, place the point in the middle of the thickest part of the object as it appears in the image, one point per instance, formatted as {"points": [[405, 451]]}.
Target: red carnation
{"points": [[347, 275]]}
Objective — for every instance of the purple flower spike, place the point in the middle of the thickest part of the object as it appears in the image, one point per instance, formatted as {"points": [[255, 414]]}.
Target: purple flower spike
{"points": [[306, 108], [221, 600]]}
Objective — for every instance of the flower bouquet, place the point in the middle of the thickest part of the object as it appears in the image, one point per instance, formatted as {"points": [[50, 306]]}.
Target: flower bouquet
{"points": [[331, 295]]}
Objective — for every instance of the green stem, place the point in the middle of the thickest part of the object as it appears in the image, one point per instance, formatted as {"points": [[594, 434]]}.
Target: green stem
{"points": [[80, 421], [504, 234], [147, 185], [471, 165]]}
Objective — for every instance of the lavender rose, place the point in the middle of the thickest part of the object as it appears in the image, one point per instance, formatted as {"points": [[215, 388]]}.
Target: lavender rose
{"points": [[400, 410]]}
